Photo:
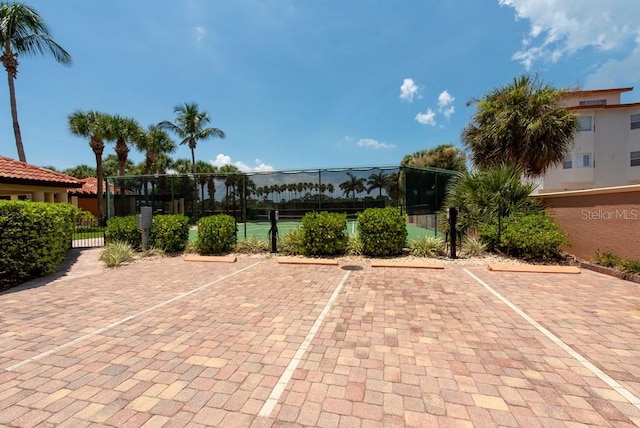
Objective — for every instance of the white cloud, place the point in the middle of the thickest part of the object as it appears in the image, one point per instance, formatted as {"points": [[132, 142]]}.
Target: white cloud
{"points": [[200, 33], [428, 118], [222, 160], [408, 90], [444, 103], [374, 144], [563, 27]]}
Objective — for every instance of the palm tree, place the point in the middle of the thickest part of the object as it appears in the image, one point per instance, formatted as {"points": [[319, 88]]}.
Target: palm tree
{"points": [[154, 143], [92, 125], [377, 181], [494, 193], [204, 170], [392, 187], [23, 31], [111, 166], [522, 124], [190, 126], [443, 156], [352, 186], [121, 130], [80, 171]]}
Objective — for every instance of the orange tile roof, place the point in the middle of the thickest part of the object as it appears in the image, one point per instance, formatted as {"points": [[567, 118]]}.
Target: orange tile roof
{"points": [[16, 172], [90, 187]]}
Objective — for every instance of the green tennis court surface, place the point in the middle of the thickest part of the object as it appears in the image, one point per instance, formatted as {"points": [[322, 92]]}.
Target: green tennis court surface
{"points": [[261, 230]]}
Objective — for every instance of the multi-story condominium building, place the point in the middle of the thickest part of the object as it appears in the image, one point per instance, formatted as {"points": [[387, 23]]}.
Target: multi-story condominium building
{"points": [[607, 146]]}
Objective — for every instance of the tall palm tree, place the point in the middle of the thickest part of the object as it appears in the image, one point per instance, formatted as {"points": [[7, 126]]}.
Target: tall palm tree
{"points": [[154, 143], [92, 125], [122, 130], [522, 124], [24, 32], [190, 127], [352, 186], [204, 170], [377, 181]]}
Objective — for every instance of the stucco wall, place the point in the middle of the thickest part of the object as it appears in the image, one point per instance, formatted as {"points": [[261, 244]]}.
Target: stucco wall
{"points": [[600, 220]]}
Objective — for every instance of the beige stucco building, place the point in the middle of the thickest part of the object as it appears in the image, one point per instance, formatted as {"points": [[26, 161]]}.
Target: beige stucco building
{"points": [[20, 180], [607, 146]]}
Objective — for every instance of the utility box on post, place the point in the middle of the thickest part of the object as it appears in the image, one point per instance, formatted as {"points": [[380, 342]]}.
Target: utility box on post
{"points": [[144, 224], [273, 231]]}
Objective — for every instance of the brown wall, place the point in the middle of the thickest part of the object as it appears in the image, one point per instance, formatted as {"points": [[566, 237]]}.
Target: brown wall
{"points": [[598, 221]]}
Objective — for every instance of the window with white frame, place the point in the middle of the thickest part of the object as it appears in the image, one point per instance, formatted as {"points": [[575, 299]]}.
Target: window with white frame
{"points": [[583, 160], [635, 158], [585, 123], [635, 121], [567, 163]]}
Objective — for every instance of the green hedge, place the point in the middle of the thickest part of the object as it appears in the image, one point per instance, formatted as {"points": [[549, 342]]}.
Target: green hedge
{"points": [[324, 234], [530, 237], [35, 239], [216, 234], [383, 231], [123, 229], [169, 232]]}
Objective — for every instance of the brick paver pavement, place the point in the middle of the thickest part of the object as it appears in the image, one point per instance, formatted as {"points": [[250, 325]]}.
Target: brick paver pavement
{"points": [[173, 343]]}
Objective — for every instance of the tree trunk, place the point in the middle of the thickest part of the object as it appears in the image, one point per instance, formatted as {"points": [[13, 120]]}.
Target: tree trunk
{"points": [[99, 184], [14, 116]]}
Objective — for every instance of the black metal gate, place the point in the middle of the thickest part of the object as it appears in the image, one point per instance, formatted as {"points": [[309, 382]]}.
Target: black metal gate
{"points": [[88, 233]]}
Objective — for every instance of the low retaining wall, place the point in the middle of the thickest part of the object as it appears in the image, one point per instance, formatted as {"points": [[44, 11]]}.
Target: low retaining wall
{"points": [[606, 219]]}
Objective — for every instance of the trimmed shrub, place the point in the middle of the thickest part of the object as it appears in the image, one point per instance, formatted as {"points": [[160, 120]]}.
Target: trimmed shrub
{"points": [[427, 246], [383, 231], [35, 239], [123, 229], [291, 243], [169, 232], [530, 237], [324, 234], [216, 234]]}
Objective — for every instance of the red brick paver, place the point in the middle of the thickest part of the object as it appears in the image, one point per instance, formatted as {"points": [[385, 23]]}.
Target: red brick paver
{"points": [[398, 347]]}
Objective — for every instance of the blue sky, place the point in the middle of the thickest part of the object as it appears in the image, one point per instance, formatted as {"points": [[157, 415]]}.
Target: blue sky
{"points": [[302, 84]]}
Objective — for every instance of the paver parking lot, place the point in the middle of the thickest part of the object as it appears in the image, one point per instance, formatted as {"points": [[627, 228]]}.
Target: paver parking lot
{"points": [[255, 343]]}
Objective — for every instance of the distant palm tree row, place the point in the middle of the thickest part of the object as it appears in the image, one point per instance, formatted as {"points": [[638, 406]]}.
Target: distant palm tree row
{"points": [[154, 141]]}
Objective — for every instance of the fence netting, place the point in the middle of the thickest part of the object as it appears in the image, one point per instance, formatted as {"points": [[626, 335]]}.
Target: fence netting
{"points": [[249, 196]]}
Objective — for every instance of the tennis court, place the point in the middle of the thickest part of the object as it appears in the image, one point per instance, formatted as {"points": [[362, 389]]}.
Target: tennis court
{"points": [[261, 230]]}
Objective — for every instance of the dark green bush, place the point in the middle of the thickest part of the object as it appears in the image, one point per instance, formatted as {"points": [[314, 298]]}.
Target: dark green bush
{"points": [[383, 231], [216, 234], [530, 237], [324, 234], [35, 239], [124, 229], [169, 232]]}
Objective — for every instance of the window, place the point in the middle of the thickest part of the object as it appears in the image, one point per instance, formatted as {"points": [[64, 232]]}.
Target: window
{"points": [[583, 160], [567, 163], [593, 103], [585, 123], [635, 158], [635, 121]]}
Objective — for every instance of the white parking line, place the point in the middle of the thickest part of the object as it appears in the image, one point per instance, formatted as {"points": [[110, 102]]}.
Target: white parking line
{"points": [[277, 391], [632, 398], [123, 320]]}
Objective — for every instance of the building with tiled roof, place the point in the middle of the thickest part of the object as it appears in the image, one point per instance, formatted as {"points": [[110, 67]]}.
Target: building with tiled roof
{"points": [[20, 180]]}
